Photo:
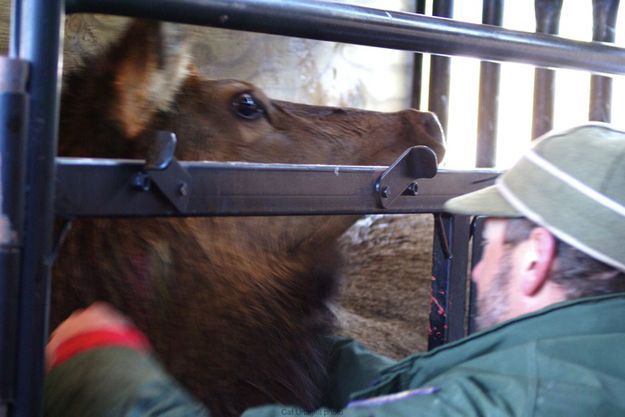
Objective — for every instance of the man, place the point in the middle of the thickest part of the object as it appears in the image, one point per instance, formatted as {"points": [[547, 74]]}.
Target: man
{"points": [[551, 301]]}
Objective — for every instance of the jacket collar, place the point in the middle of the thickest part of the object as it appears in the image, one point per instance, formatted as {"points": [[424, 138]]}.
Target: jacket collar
{"points": [[586, 316]]}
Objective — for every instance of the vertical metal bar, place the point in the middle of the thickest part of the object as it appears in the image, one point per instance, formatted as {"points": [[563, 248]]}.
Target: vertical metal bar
{"points": [[14, 39], [477, 229], [449, 279], [492, 14], [441, 254], [604, 14], [439, 71], [457, 286], [547, 21], [39, 31], [438, 102], [13, 129], [417, 66]]}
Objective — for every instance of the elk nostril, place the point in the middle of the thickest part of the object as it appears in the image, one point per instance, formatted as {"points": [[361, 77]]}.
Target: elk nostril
{"points": [[433, 127], [429, 122], [425, 129]]}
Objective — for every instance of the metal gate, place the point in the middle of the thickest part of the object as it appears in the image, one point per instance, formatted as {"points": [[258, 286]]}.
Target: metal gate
{"points": [[36, 185]]}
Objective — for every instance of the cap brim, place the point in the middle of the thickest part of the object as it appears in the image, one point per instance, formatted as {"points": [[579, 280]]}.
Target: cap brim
{"points": [[485, 202]]}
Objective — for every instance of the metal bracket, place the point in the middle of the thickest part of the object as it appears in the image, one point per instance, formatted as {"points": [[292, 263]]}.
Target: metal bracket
{"points": [[162, 169], [400, 177]]}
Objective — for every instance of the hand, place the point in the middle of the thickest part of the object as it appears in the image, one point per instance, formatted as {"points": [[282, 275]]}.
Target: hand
{"points": [[95, 317]]}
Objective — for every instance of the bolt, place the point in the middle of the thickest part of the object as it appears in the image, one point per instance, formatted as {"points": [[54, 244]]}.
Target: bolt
{"points": [[413, 189], [183, 189], [141, 182], [386, 191]]}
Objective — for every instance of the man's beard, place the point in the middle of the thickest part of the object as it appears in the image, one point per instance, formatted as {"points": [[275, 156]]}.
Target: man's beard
{"points": [[492, 302]]}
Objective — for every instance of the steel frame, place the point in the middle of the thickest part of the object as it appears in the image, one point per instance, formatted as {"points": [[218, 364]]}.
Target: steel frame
{"points": [[104, 188], [35, 38], [326, 21]]}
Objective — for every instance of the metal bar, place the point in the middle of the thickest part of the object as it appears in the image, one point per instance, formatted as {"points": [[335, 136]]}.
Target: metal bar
{"points": [[492, 14], [476, 255], [604, 14], [449, 279], [103, 188], [13, 130], [14, 39], [441, 254], [438, 100], [547, 21], [417, 67], [360, 25], [542, 119], [457, 287], [39, 43]]}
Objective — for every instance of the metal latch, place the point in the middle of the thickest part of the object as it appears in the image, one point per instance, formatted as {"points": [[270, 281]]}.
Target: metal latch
{"points": [[162, 169], [400, 177]]}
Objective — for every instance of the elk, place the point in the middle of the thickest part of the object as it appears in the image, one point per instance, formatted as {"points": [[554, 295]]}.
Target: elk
{"points": [[236, 308]]}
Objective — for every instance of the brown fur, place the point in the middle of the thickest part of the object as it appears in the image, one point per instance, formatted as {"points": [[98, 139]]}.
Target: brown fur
{"points": [[236, 307]]}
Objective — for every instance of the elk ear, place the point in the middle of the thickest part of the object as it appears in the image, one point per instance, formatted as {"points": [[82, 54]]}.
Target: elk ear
{"points": [[150, 63]]}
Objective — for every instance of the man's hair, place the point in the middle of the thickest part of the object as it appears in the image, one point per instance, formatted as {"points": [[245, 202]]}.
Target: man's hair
{"points": [[577, 273]]}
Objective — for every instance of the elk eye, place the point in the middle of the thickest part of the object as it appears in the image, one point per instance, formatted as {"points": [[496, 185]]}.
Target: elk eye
{"points": [[247, 107]]}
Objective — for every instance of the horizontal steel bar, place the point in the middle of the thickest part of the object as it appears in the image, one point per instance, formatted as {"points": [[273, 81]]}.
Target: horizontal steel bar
{"points": [[366, 26], [104, 188]]}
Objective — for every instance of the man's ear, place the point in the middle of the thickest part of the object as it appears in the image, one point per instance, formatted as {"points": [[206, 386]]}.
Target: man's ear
{"points": [[538, 260]]}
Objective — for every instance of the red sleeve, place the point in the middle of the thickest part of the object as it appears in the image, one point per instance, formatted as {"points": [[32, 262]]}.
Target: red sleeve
{"points": [[128, 337]]}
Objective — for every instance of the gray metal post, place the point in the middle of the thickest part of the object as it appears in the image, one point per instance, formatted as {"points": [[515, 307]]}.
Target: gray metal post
{"points": [[13, 130], [439, 71], [417, 67], [547, 21], [36, 36], [492, 14], [449, 279], [604, 14], [476, 255]]}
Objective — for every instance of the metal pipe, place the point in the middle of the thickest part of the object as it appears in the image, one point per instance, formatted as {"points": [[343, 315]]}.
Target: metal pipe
{"points": [[604, 14], [547, 21], [477, 230], [360, 25], [492, 14], [438, 100], [217, 189], [39, 28], [449, 279], [14, 40], [13, 130], [417, 67]]}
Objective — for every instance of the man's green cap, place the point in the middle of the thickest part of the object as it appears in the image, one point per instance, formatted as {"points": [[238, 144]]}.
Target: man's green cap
{"points": [[572, 183]]}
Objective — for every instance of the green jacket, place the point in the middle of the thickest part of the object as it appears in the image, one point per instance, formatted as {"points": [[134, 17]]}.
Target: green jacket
{"points": [[567, 360]]}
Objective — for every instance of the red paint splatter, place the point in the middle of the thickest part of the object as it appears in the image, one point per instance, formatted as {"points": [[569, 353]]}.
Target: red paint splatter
{"points": [[441, 310]]}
